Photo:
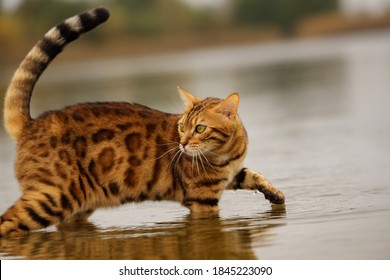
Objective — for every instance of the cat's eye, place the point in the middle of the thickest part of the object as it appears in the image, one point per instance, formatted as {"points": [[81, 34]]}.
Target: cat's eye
{"points": [[200, 128], [181, 127]]}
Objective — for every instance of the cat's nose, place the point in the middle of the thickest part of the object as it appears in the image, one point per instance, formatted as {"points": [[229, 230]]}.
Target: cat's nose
{"points": [[183, 143]]}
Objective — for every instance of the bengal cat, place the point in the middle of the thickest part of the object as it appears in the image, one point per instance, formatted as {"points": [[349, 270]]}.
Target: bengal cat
{"points": [[72, 161]]}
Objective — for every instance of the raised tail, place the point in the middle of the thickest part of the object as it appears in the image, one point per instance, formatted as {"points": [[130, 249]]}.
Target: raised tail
{"points": [[17, 100]]}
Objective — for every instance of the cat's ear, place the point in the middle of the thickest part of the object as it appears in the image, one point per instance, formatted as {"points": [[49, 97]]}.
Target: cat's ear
{"points": [[229, 106], [187, 97]]}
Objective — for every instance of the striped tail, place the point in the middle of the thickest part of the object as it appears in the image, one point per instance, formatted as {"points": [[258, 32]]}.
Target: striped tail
{"points": [[17, 100]]}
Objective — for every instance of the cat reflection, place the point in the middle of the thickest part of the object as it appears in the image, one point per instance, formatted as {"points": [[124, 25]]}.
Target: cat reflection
{"points": [[193, 238]]}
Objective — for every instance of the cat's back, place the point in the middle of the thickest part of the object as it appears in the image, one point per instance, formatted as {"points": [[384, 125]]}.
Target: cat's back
{"points": [[100, 121]]}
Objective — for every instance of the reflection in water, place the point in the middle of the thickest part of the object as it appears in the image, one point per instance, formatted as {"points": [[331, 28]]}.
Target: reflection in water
{"points": [[192, 238]]}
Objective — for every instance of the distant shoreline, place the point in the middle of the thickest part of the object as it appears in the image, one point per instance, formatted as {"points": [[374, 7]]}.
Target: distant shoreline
{"points": [[219, 56], [329, 24]]}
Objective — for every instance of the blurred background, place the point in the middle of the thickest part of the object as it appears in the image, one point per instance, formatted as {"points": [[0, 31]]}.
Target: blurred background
{"points": [[313, 76], [144, 26]]}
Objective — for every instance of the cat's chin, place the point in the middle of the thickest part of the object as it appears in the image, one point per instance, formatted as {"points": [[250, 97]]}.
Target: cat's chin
{"points": [[191, 153]]}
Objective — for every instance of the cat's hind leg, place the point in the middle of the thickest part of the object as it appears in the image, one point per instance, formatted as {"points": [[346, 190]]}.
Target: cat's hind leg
{"points": [[34, 210], [21, 218], [251, 180]]}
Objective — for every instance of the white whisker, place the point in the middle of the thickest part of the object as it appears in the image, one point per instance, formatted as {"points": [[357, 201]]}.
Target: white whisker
{"points": [[192, 165], [197, 164], [173, 158], [199, 152], [208, 162], [178, 159], [167, 152]]}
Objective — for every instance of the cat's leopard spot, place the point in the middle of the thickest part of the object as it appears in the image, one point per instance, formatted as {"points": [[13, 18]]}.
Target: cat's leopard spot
{"points": [[65, 139], [103, 134], [106, 160], [53, 142], [80, 146], [76, 193], [133, 142], [145, 114], [134, 161], [150, 128], [124, 126], [114, 188], [78, 116], [130, 178]]}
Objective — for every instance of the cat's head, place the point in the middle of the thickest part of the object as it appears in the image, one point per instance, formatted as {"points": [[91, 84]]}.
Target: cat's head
{"points": [[209, 125]]}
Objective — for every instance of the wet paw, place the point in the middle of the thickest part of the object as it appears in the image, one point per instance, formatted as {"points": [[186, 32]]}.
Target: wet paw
{"points": [[274, 196], [277, 199]]}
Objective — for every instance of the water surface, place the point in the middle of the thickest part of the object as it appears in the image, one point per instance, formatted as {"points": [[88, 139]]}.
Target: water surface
{"points": [[317, 115]]}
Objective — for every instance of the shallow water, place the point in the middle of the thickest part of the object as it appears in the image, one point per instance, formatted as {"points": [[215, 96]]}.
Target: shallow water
{"points": [[317, 115]]}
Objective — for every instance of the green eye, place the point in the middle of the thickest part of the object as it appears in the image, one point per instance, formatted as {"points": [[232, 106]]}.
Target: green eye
{"points": [[200, 128], [181, 127]]}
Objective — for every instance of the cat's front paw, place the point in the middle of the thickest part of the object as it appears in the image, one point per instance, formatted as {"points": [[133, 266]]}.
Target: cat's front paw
{"points": [[274, 196]]}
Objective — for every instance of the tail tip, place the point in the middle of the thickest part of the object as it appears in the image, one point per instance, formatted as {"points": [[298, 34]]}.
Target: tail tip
{"points": [[101, 13]]}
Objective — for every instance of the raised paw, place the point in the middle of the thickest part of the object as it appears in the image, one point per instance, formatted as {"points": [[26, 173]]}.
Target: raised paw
{"points": [[273, 195]]}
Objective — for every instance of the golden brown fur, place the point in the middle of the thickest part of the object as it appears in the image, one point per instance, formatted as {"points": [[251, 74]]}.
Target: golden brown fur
{"points": [[72, 161]]}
